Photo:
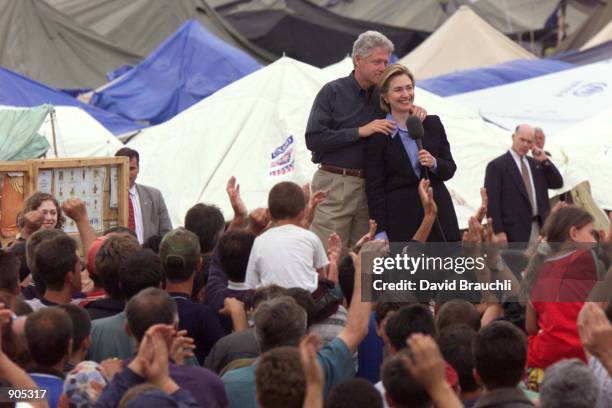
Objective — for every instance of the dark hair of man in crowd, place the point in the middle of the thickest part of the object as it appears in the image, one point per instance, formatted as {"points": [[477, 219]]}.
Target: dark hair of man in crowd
{"points": [[153, 242], [120, 229], [279, 322], [149, 307], [9, 272], [382, 309], [113, 252], [18, 249], [32, 243], [408, 320], [455, 342], [354, 393], [269, 292], [127, 152], [279, 379], [140, 270], [457, 311], [133, 394], [400, 386], [346, 278], [500, 353], [207, 222], [48, 332], [304, 299], [234, 251], [54, 259], [285, 201], [81, 324]]}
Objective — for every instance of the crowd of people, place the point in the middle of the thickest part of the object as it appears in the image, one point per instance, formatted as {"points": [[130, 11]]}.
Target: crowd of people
{"points": [[271, 307]]}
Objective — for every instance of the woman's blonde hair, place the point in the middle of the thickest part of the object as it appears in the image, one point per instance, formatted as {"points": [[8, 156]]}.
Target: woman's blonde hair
{"points": [[392, 71]]}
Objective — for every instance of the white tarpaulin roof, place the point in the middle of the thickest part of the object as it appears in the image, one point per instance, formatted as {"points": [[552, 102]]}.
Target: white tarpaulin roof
{"points": [[234, 132], [585, 152], [604, 35], [464, 41], [77, 134], [341, 68], [553, 102], [254, 128]]}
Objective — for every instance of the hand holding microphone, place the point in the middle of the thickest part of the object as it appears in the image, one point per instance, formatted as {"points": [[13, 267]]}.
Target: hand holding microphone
{"points": [[416, 132]]}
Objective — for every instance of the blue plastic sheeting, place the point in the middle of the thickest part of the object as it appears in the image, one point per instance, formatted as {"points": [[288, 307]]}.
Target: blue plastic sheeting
{"points": [[500, 74], [186, 68], [18, 90], [591, 55]]}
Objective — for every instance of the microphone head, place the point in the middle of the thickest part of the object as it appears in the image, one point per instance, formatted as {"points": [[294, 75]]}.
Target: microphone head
{"points": [[415, 127]]}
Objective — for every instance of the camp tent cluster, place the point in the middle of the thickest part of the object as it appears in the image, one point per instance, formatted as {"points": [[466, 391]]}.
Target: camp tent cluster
{"points": [[207, 89]]}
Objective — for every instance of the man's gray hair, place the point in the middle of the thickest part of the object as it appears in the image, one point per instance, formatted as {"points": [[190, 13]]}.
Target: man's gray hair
{"points": [[279, 322], [368, 41], [569, 384]]}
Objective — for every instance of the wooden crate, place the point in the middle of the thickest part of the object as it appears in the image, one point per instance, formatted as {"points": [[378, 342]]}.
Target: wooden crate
{"points": [[70, 178]]}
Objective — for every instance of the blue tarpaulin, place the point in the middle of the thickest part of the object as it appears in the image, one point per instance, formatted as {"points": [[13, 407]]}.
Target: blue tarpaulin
{"points": [[18, 90], [598, 53], [186, 68], [500, 74]]}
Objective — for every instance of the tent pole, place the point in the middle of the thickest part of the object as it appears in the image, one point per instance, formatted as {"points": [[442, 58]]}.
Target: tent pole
{"points": [[53, 131]]}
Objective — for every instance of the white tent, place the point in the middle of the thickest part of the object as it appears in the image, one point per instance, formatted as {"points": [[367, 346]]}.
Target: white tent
{"points": [[77, 134], [553, 102], [464, 41], [604, 35], [585, 152], [341, 68], [254, 129]]}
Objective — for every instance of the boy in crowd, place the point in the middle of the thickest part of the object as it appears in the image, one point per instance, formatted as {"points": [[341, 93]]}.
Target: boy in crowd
{"points": [[59, 269], [287, 254], [49, 336], [180, 258], [500, 355]]}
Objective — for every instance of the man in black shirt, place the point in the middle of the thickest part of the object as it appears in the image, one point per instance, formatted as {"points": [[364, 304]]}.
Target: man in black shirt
{"points": [[345, 112]]}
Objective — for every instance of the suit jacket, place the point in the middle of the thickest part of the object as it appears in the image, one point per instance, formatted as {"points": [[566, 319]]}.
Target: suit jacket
{"points": [[509, 204], [155, 218], [392, 185]]}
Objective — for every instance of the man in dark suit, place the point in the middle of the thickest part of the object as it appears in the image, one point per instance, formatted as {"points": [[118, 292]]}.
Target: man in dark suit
{"points": [[148, 214], [517, 188]]}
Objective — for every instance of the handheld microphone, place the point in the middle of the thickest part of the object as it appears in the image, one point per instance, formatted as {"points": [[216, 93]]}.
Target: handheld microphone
{"points": [[416, 132]]}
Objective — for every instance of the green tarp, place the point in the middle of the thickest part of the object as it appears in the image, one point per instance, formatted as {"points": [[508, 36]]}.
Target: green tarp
{"points": [[19, 137]]}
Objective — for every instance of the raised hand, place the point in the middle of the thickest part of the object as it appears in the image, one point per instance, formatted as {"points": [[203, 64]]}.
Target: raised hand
{"points": [[427, 199], [75, 209], [484, 204], [369, 236], [259, 220], [313, 201], [33, 221], [182, 347], [233, 192]]}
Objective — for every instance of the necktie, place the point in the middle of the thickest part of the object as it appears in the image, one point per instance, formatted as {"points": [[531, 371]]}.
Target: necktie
{"points": [[527, 182], [131, 222]]}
